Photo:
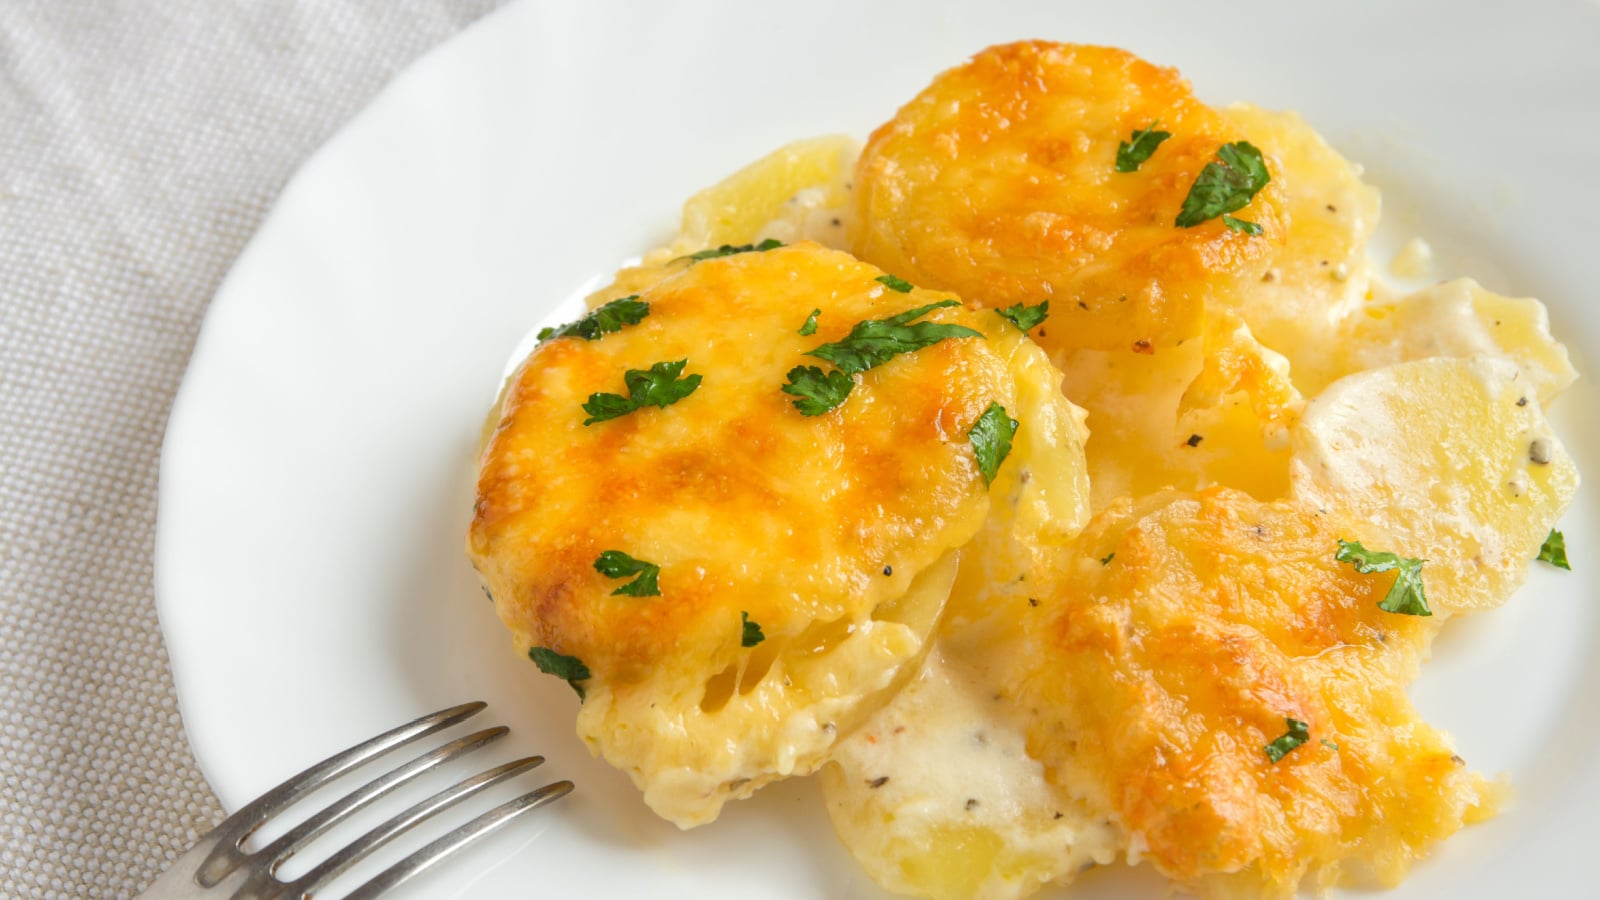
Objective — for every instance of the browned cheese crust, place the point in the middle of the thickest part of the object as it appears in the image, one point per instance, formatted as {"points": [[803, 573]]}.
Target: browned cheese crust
{"points": [[1183, 631], [812, 527], [998, 181]]}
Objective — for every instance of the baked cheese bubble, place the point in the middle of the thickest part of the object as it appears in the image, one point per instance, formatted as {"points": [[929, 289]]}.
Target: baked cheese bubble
{"points": [[730, 582], [999, 181], [1453, 457], [1207, 673]]}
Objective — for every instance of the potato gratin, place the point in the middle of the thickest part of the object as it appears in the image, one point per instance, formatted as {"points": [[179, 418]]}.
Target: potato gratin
{"points": [[1050, 474]]}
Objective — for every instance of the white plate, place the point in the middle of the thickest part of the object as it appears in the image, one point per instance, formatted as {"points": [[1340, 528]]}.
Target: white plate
{"points": [[316, 479]]}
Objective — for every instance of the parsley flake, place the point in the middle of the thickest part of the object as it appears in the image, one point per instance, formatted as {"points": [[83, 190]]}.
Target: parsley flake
{"points": [[1026, 317], [1132, 152], [894, 284], [1249, 228], [1405, 596], [1329, 744], [750, 633], [991, 439], [818, 391], [1106, 560], [810, 327], [731, 249], [616, 564], [1298, 733], [1227, 184], [569, 668], [1554, 550], [657, 386], [870, 344], [603, 320], [873, 342]]}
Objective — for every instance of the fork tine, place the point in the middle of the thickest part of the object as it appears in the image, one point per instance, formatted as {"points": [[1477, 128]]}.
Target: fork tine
{"points": [[274, 854], [358, 849], [424, 858], [234, 829]]}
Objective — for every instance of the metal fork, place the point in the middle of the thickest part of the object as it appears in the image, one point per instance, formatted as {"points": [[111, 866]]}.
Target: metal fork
{"points": [[219, 866]]}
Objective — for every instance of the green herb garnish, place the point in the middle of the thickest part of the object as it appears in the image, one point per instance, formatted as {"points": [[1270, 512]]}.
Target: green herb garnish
{"points": [[616, 564], [731, 249], [750, 633], [810, 327], [1132, 152], [1225, 185], [1405, 595], [894, 284], [870, 344], [569, 668], [1249, 228], [604, 320], [818, 391], [1554, 550], [1026, 317], [657, 386], [1106, 560], [991, 439], [873, 342], [1298, 733]]}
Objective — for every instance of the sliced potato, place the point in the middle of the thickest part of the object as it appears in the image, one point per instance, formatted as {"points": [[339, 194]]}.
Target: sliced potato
{"points": [[1320, 271], [775, 191], [1456, 319], [1451, 460]]}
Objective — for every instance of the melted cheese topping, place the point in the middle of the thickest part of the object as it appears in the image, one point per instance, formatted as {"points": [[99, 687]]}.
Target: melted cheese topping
{"points": [[1180, 633], [997, 182], [827, 531], [1087, 694]]}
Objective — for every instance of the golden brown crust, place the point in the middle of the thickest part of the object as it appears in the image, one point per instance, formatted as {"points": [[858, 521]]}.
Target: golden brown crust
{"points": [[1185, 629], [813, 527], [998, 182], [731, 472]]}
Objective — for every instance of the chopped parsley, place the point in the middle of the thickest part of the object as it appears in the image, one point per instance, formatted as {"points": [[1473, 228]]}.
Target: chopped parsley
{"points": [[1225, 185], [991, 439], [750, 633], [1026, 317], [870, 344], [810, 327], [602, 321], [1106, 560], [1405, 596], [657, 386], [894, 284], [1329, 744], [569, 668], [817, 391], [1298, 733], [1249, 228], [1554, 550], [1132, 152], [616, 564], [731, 249]]}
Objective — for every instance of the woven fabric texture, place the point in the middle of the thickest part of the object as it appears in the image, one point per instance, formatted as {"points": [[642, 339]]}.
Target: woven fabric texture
{"points": [[140, 146]]}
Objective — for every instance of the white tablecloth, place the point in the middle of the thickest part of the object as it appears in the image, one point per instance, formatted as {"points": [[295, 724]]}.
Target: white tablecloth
{"points": [[140, 146]]}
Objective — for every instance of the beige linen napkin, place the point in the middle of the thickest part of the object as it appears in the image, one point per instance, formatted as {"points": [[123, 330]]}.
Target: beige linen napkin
{"points": [[140, 146]]}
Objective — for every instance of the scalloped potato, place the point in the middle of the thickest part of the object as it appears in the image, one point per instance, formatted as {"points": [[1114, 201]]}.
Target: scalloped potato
{"points": [[837, 534], [1144, 634], [1179, 636], [997, 182]]}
